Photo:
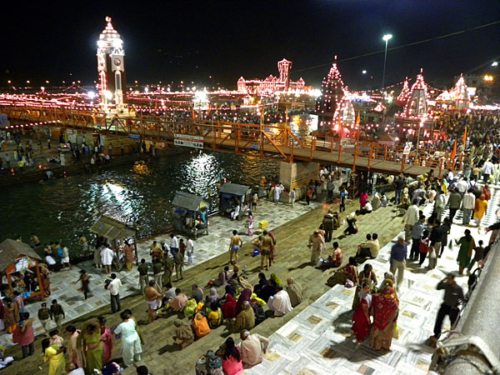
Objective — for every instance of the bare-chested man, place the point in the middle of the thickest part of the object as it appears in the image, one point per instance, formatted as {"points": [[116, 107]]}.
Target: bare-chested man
{"points": [[234, 246], [153, 299]]}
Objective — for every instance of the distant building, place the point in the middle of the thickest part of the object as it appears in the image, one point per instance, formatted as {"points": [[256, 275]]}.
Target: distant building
{"points": [[111, 69], [272, 84]]}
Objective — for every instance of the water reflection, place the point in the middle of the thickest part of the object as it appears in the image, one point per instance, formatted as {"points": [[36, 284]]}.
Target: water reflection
{"points": [[61, 210]]}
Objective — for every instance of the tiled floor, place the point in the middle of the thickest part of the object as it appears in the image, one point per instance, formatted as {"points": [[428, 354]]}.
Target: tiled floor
{"points": [[66, 291], [315, 341]]}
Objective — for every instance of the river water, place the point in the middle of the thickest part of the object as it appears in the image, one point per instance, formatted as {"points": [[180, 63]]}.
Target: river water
{"points": [[60, 210]]}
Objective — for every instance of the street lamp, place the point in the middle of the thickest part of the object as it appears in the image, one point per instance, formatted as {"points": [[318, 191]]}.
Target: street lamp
{"points": [[386, 38], [364, 72], [494, 63]]}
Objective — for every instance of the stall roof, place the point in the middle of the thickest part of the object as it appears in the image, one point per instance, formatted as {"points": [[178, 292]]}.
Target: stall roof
{"points": [[111, 228], [234, 189], [10, 250], [187, 201]]}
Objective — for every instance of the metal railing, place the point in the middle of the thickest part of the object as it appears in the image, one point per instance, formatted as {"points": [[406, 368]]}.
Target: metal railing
{"points": [[472, 347], [276, 142]]}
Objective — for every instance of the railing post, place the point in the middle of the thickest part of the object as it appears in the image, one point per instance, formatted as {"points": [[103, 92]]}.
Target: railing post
{"points": [[238, 135], [385, 152], [440, 167], [403, 163], [355, 156], [292, 147], [340, 151], [331, 144], [313, 146]]}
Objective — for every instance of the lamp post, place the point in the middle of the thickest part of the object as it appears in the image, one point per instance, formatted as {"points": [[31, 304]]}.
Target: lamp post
{"points": [[386, 38]]}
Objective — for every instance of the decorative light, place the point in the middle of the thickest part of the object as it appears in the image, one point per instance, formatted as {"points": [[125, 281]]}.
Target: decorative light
{"points": [[488, 78], [494, 63], [364, 72]]}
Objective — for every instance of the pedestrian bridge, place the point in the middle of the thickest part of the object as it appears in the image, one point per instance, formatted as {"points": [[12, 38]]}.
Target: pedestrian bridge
{"points": [[267, 141]]}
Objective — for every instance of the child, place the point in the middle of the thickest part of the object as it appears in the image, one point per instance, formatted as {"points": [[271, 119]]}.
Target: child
{"points": [[424, 246], [343, 196], [478, 255]]}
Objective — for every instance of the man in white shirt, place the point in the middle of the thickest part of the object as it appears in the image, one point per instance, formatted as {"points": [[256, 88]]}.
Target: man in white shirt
{"points": [[190, 250], [488, 169], [107, 256], [462, 186], [280, 303], [114, 292], [253, 347], [468, 204], [410, 218], [174, 245]]}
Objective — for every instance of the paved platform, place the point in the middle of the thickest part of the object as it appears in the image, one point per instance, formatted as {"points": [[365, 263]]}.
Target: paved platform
{"points": [[315, 341], [206, 247]]}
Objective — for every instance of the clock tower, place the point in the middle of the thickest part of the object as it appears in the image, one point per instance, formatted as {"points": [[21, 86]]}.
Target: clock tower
{"points": [[111, 69]]}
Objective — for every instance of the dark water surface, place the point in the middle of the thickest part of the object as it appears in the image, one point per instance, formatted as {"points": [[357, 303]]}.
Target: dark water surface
{"points": [[63, 209]]}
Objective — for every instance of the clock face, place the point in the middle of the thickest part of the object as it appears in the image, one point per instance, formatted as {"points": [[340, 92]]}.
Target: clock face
{"points": [[118, 62]]}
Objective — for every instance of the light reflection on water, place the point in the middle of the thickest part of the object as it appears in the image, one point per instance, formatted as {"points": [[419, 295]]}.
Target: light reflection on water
{"points": [[63, 209]]}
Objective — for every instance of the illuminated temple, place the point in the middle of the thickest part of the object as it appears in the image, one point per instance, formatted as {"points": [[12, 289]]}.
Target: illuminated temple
{"points": [[272, 84]]}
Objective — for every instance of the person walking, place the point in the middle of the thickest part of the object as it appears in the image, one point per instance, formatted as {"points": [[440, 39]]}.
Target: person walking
{"points": [[439, 204], [44, 317], [57, 313], [114, 292], [158, 273], [385, 309], [480, 209], [143, 275], [416, 235], [467, 244], [435, 237], [328, 225], [399, 253], [468, 204], [453, 295], [190, 250], [234, 246], [131, 342], [317, 245], [410, 218], [85, 280], [179, 265], [454, 201]]}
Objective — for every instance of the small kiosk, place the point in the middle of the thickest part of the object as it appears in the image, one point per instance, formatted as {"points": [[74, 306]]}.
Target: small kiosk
{"points": [[116, 233], [16, 259], [190, 214], [233, 200]]}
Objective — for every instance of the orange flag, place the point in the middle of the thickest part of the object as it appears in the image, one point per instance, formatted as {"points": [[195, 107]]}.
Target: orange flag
{"points": [[465, 136], [340, 128], [454, 152]]}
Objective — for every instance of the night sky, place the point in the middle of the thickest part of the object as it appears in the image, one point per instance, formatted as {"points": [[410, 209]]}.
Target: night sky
{"points": [[192, 40]]}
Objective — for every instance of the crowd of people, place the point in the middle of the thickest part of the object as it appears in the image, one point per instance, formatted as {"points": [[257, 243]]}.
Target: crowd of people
{"points": [[241, 306]]}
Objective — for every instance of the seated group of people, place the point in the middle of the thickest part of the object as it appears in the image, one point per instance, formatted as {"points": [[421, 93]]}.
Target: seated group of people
{"points": [[240, 308], [231, 359], [369, 248]]}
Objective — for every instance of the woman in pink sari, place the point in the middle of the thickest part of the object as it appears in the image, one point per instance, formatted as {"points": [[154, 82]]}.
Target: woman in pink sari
{"points": [[385, 308], [361, 317], [107, 340]]}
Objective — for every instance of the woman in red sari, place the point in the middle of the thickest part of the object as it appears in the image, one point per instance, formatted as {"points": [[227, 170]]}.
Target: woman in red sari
{"points": [[229, 307], [361, 317], [385, 308], [107, 340]]}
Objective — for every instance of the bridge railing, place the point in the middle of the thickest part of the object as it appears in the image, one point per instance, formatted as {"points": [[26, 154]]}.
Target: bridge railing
{"points": [[221, 135]]}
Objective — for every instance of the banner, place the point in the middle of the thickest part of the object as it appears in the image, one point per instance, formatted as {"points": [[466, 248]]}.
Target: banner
{"points": [[187, 140]]}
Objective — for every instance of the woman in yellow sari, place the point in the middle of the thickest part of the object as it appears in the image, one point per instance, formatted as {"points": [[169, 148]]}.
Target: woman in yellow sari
{"points": [[90, 342], [55, 355]]}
